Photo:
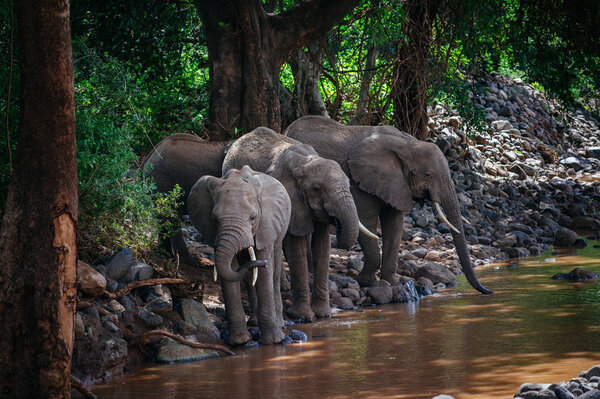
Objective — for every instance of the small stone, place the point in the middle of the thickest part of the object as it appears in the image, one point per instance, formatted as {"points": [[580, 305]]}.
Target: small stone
{"points": [[298, 335], [434, 256], [577, 274], [355, 262], [424, 286], [435, 273], [351, 293]]}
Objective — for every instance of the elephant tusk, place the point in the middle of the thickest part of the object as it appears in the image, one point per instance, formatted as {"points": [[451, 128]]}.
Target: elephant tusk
{"points": [[255, 270], [443, 217], [215, 272], [366, 231], [465, 220]]}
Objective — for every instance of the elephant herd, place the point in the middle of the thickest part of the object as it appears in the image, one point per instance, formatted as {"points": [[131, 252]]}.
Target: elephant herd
{"points": [[268, 194]]}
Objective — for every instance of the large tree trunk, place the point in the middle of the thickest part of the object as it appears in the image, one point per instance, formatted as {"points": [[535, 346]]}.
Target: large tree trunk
{"points": [[247, 47], [37, 236], [410, 80]]}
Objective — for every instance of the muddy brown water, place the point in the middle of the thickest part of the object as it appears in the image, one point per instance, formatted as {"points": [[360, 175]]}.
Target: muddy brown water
{"points": [[456, 342]]}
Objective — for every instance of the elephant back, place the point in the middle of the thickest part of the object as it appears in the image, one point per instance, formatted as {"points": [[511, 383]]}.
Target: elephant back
{"points": [[257, 149]]}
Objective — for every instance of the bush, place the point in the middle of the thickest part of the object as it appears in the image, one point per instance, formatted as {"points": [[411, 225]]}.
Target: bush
{"points": [[116, 209]]}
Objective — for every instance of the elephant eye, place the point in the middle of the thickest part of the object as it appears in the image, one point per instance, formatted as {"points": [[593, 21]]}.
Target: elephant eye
{"points": [[253, 217], [316, 188]]}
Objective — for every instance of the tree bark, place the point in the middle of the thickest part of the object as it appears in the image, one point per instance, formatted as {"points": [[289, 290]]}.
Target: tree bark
{"points": [[410, 81], [246, 48], [37, 235]]}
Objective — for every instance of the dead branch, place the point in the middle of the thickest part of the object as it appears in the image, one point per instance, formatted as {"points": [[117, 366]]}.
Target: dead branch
{"points": [[142, 283], [78, 385], [142, 339]]}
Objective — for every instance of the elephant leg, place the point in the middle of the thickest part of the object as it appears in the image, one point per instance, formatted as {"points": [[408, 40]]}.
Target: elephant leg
{"points": [[236, 319], [252, 301], [321, 247], [368, 208], [295, 253], [270, 332], [277, 268], [392, 221]]}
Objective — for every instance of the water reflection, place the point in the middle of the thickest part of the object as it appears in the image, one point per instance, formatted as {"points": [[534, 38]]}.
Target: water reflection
{"points": [[533, 329]]}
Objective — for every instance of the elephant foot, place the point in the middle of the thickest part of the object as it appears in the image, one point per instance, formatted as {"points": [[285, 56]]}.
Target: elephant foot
{"points": [[238, 337], [270, 336], [391, 278], [321, 308], [366, 279], [302, 312], [252, 321]]}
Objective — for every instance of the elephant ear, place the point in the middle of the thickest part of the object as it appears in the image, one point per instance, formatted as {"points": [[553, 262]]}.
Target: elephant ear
{"points": [[377, 169], [275, 209], [200, 207], [287, 168]]}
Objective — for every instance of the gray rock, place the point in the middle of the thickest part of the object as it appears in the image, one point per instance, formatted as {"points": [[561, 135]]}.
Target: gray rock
{"points": [[595, 394], [501, 125], [351, 293], [118, 265], [342, 302], [507, 241], [298, 335], [571, 162], [592, 372], [151, 319], [577, 274], [158, 298], [79, 326], [380, 295], [424, 286], [355, 262], [528, 387], [174, 352], [564, 237], [435, 272], [406, 268], [194, 313], [89, 281], [593, 152], [562, 393], [139, 271], [344, 281], [183, 327], [517, 252]]}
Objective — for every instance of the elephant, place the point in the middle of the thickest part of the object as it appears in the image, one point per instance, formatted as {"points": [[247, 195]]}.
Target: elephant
{"points": [[387, 169], [182, 159], [235, 213], [320, 193]]}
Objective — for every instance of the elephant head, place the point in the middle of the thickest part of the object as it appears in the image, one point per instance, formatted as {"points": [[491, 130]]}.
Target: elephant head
{"points": [[319, 190], [396, 168], [242, 210]]}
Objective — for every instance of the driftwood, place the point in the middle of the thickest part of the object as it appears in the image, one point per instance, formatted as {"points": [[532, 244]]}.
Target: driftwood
{"points": [[142, 338], [78, 385], [142, 283]]}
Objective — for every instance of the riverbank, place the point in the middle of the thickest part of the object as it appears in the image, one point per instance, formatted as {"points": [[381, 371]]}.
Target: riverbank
{"points": [[528, 182]]}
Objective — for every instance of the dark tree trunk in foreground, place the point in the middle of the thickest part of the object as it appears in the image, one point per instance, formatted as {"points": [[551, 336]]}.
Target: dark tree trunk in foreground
{"points": [[246, 48], [37, 235], [410, 80]]}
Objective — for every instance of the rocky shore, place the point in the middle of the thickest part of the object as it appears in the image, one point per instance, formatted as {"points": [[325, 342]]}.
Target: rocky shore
{"points": [[531, 180]]}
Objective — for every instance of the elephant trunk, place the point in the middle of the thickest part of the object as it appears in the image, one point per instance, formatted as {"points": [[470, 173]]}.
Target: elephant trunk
{"points": [[452, 209], [229, 242], [347, 217]]}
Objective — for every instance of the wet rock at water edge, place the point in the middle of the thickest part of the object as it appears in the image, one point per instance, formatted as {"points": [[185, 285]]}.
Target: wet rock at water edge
{"points": [[298, 335], [564, 237], [424, 286], [175, 352], [435, 272], [380, 293], [577, 274]]}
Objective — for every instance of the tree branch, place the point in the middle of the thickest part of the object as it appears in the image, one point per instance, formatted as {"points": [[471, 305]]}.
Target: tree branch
{"points": [[142, 283], [142, 339], [78, 385]]}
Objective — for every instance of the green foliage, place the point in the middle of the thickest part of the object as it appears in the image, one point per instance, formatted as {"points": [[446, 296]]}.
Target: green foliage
{"points": [[110, 112]]}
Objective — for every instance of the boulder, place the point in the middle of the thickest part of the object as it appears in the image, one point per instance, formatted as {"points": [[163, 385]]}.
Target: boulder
{"points": [[564, 237], [424, 286], [118, 265], [435, 272], [89, 281], [194, 313], [380, 295], [175, 352], [577, 274]]}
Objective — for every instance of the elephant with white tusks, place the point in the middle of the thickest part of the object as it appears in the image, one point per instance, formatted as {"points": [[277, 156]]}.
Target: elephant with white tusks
{"points": [[387, 169], [320, 195], [245, 216]]}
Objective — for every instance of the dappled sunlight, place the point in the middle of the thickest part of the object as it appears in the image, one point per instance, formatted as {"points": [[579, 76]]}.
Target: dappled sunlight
{"points": [[458, 342]]}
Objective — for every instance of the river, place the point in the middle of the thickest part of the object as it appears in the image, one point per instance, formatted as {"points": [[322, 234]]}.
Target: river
{"points": [[456, 342]]}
